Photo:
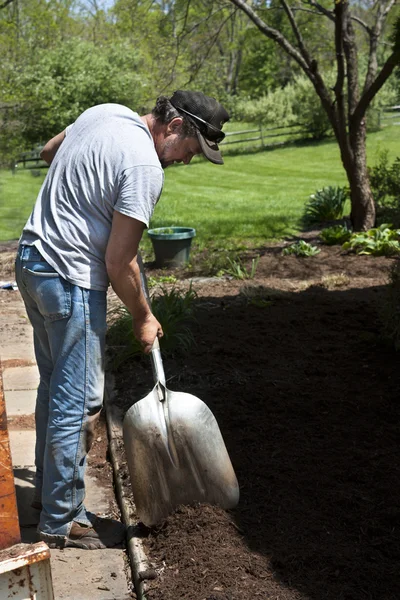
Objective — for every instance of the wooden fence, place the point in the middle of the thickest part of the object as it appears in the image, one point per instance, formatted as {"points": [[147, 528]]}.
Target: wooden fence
{"points": [[265, 136], [390, 116]]}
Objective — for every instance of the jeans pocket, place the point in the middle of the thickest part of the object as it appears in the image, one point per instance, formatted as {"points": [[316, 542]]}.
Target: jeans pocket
{"points": [[49, 290]]}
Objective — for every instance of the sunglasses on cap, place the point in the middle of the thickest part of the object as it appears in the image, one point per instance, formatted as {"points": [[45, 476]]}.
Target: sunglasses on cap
{"points": [[206, 129]]}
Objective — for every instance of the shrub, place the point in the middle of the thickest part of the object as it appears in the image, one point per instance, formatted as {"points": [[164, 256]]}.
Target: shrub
{"points": [[379, 241], [273, 109], [385, 180], [173, 309], [301, 248], [308, 110], [326, 204], [335, 235], [295, 104]]}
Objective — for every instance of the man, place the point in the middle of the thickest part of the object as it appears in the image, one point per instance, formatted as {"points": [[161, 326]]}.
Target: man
{"points": [[105, 177]]}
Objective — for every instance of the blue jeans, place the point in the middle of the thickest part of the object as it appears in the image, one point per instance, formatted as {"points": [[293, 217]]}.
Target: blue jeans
{"points": [[69, 324]]}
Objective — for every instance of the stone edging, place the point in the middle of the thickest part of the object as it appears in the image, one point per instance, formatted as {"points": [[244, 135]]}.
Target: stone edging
{"points": [[137, 556]]}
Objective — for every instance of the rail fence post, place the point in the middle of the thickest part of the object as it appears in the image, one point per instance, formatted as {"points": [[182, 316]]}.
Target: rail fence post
{"points": [[261, 136]]}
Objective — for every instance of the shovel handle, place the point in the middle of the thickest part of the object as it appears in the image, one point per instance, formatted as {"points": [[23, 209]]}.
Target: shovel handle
{"points": [[155, 353]]}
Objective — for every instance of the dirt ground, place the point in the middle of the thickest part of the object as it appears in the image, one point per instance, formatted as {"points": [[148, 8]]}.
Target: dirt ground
{"points": [[305, 390]]}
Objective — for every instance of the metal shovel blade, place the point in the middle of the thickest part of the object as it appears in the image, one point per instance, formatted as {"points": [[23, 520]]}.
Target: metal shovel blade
{"points": [[176, 455], [174, 449]]}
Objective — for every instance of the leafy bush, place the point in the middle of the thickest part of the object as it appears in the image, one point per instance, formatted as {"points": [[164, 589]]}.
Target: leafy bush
{"points": [[385, 180], [335, 235], [295, 104], [301, 248], [173, 309], [66, 80], [326, 204], [275, 108], [390, 311], [308, 110], [379, 241]]}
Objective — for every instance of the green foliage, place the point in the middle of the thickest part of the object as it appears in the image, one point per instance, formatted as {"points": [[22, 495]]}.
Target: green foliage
{"points": [[273, 109], [326, 204], [173, 309], [160, 279], [385, 180], [71, 78], [301, 248], [294, 104], [390, 310], [335, 235], [238, 270], [308, 110], [379, 241]]}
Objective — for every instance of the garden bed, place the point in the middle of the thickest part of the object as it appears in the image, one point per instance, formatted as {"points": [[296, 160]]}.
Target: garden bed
{"points": [[305, 390]]}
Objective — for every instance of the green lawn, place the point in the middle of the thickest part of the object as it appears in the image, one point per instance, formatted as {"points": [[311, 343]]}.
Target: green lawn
{"points": [[253, 197], [17, 196]]}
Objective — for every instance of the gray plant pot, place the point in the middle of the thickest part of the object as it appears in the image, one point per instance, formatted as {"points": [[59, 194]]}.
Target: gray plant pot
{"points": [[171, 245]]}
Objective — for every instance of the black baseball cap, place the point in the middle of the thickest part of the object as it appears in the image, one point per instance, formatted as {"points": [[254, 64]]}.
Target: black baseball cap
{"points": [[208, 116]]}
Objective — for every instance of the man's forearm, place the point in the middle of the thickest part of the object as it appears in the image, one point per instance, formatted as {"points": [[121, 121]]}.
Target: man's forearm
{"points": [[50, 149], [126, 282]]}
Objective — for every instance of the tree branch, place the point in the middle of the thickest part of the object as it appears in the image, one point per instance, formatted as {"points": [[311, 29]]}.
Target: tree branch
{"points": [[392, 62], [375, 34], [340, 24], [272, 33], [296, 31], [362, 23], [5, 3], [321, 9]]}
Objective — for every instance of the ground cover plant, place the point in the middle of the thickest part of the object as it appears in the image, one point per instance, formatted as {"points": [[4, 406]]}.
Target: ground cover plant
{"points": [[338, 234], [301, 248], [378, 241]]}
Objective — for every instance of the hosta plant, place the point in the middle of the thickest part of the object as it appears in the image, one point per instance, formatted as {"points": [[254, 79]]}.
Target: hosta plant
{"points": [[301, 248], [379, 241], [335, 235]]}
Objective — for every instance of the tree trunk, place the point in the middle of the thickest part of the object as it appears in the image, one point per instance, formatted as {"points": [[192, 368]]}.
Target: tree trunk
{"points": [[355, 163]]}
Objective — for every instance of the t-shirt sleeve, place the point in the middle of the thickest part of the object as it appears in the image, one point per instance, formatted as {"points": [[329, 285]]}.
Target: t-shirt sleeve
{"points": [[139, 190], [68, 129]]}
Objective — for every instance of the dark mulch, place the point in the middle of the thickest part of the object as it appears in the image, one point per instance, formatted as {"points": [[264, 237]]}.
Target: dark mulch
{"points": [[306, 393]]}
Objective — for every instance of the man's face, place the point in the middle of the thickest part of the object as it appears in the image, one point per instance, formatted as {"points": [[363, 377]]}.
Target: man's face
{"points": [[173, 148]]}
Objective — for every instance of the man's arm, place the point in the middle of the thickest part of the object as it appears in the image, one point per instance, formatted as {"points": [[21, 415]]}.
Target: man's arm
{"points": [[124, 273], [49, 150]]}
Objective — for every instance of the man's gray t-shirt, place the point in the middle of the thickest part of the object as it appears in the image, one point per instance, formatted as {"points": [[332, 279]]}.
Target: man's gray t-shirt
{"points": [[106, 162]]}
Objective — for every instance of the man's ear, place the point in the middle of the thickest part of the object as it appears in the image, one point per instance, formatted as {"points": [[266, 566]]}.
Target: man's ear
{"points": [[174, 126]]}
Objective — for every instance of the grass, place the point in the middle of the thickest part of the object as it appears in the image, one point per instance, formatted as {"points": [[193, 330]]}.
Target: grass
{"points": [[253, 197], [17, 196]]}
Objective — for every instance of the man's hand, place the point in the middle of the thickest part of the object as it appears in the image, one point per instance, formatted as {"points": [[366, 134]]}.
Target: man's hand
{"points": [[146, 330]]}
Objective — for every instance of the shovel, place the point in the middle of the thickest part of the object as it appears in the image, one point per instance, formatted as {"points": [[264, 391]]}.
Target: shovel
{"points": [[174, 449]]}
